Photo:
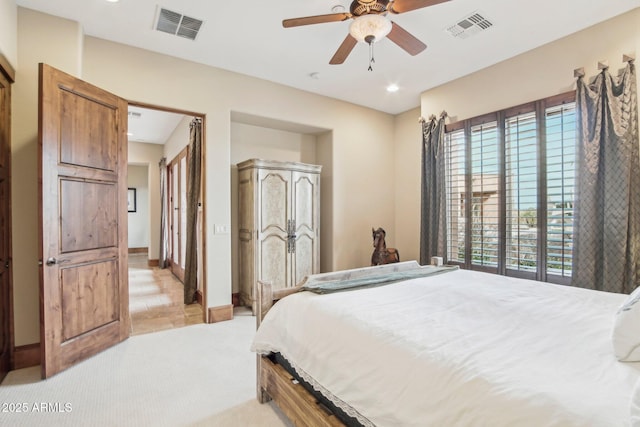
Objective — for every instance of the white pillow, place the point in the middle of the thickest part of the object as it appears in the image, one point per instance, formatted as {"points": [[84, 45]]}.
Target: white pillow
{"points": [[634, 406], [626, 329]]}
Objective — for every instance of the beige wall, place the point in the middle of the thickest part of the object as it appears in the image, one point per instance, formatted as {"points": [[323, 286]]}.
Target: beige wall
{"points": [[249, 142], [408, 140], [324, 157], [57, 42], [8, 31], [361, 138], [537, 74], [374, 174], [149, 155], [178, 139]]}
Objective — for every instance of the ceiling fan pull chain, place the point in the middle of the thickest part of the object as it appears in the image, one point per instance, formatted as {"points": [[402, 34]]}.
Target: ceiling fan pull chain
{"points": [[371, 58]]}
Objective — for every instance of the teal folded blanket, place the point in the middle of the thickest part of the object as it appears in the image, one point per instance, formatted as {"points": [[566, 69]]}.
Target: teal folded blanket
{"points": [[326, 285]]}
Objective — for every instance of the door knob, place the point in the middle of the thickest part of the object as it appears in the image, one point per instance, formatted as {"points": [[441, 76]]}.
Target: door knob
{"points": [[51, 261]]}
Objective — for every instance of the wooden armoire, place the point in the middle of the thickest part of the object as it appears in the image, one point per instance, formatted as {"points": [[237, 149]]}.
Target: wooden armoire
{"points": [[278, 224]]}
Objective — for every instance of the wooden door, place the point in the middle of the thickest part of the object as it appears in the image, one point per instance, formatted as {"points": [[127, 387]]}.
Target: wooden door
{"points": [[274, 199], [6, 315], [305, 204], [177, 173], [84, 300]]}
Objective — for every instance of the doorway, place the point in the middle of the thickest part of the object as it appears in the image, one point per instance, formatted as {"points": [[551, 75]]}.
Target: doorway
{"points": [[6, 303], [177, 199], [156, 292]]}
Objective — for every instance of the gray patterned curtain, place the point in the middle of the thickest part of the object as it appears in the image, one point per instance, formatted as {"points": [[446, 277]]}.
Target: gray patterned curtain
{"points": [[164, 226], [433, 226], [607, 212], [193, 201]]}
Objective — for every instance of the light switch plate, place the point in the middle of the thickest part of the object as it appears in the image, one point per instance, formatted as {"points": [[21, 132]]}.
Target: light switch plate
{"points": [[221, 229]]}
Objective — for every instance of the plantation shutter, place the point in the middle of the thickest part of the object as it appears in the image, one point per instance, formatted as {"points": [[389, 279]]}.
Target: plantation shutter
{"points": [[521, 201], [484, 195], [561, 172]]}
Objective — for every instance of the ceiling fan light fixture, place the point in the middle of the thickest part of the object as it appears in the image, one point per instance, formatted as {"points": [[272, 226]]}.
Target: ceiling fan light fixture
{"points": [[370, 28]]}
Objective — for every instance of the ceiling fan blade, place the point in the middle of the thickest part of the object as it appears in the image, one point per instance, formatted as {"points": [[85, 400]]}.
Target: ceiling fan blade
{"points": [[405, 40], [344, 50], [401, 6], [318, 19]]}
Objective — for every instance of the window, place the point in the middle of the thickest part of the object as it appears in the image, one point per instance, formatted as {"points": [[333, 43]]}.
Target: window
{"points": [[521, 200], [561, 169], [509, 182], [484, 194]]}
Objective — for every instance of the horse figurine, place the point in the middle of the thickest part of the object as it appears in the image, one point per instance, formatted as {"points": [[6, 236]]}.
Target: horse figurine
{"points": [[382, 254]]}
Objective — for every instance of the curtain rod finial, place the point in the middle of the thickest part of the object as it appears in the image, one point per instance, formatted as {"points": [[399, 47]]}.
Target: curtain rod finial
{"points": [[420, 119], [628, 57], [603, 65], [578, 72]]}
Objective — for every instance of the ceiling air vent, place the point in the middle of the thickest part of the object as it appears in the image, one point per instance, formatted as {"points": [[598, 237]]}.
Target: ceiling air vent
{"points": [[178, 24], [469, 26]]}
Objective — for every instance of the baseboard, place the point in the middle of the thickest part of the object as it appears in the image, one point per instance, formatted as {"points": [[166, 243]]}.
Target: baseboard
{"points": [[138, 250], [235, 299], [220, 313], [25, 356], [153, 263], [199, 296]]}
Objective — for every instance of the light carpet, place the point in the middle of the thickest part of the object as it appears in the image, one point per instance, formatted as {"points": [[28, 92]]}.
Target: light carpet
{"points": [[200, 375]]}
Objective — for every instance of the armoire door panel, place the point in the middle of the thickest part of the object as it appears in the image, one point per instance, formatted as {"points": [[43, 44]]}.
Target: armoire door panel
{"points": [[274, 263], [304, 258], [304, 201], [274, 201]]}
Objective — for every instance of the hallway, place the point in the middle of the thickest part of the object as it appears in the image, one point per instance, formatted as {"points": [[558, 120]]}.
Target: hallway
{"points": [[156, 299]]}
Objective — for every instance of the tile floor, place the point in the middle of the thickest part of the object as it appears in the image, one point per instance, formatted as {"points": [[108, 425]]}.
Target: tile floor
{"points": [[155, 299]]}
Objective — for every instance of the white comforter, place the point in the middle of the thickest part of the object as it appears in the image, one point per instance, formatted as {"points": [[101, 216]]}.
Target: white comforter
{"points": [[458, 349]]}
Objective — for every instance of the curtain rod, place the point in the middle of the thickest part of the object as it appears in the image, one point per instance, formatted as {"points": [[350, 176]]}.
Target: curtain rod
{"points": [[603, 65], [433, 116]]}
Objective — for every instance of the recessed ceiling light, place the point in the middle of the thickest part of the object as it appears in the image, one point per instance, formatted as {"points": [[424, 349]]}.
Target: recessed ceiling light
{"points": [[315, 75], [113, 1], [393, 88]]}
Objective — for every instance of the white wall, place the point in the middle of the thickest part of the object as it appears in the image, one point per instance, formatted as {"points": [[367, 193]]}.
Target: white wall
{"points": [[539, 73], [138, 226], [149, 155], [8, 31]]}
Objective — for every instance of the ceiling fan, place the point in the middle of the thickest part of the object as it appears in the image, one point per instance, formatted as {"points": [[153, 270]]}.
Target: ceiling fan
{"points": [[370, 24]]}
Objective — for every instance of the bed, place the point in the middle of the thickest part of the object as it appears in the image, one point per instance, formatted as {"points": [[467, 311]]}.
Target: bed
{"points": [[429, 346]]}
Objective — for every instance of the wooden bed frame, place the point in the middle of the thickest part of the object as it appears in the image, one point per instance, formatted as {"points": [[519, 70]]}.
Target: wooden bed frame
{"points": [[275, 383]]}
